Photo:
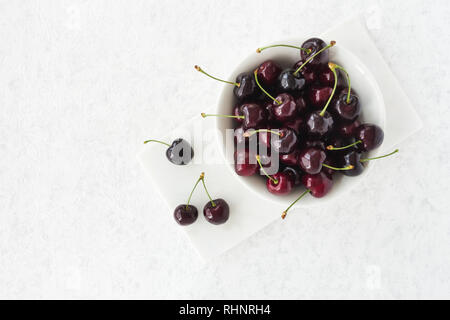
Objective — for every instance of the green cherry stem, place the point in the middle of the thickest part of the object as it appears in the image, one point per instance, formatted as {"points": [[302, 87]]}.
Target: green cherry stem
{"points": [[162, 142], [264, 171], [332, 67], [237, 84], [375, 158], [262, 89], [204, 186], [204, 115], [332, 43], [195, 186], [348, 81], [252, 132], [283, 215], [349, 167], [330, 147], [308, 51]]}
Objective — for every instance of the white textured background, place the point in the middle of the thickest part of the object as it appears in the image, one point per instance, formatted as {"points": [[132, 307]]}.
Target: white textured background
{"points": [[83, 83]]}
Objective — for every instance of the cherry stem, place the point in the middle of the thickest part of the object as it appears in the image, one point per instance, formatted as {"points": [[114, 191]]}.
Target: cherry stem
{"points": [[258, 158], [330, 147], [348, 81], [262, 89], [349, 167], [252, 132], [162, 142], [283, 215], [386, 155], [204, 186], [332, 43], [332, 67], [195, 186], [308, 51], [204, 115], [237, 84]]}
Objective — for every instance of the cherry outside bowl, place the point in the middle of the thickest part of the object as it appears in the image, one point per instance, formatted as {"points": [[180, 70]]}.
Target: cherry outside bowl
{"points": [[372, 110]]}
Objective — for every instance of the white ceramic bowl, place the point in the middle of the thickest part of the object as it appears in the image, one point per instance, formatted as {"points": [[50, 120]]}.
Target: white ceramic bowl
{"points": [[372, 107]]}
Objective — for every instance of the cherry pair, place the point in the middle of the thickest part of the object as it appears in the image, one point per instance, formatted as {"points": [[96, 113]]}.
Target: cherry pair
{"points": [[215, 211]]}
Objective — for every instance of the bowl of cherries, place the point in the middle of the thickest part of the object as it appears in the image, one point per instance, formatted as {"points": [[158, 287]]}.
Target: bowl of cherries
{"points": [[307, 119]]}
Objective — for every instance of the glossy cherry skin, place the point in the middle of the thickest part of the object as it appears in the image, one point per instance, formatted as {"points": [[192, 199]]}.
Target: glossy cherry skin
{"points": [[283, 186], [352, 158], [268, 72], [180, 152], [346, 111], [269, 112], [370, 135], [288, 82], [315, 44], [217, 213], [319, 95], [309, 73], [290, 159], [318, 125], [348, 129], [247, 86], [311, 160], [240, 139], [326, 78], [242, 164], [185, 214], [255, 116], [319, 184], [286, 143], [284, 108], [296, 175], [339, 142]]}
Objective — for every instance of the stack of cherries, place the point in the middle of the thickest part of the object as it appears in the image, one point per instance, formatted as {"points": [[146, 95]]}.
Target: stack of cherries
{"points": [[308, 115]]}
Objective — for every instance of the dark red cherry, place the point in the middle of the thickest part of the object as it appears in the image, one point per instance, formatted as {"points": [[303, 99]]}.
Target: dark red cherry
{"points": [[339, 142], [216, 211], [290, 159], [247, 86], [348, 129], [239, 137], [290, 82], [286, 143], [346, 109], [185, 214], [318, 125], [266, 162], [370, 135], [315, 44], [309, 73], [284, 108], [310, 160], [180, 152], [319, 95], [268, 72], [296, 175], [326, 78], [319, 184], [242, 164], [283, 183], [352, 158], [254, 115]]}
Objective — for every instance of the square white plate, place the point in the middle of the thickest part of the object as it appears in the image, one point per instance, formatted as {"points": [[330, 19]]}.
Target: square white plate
{"points": [[248, 213]]}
